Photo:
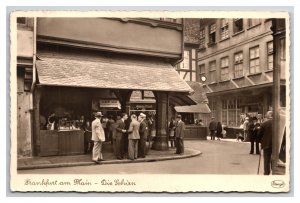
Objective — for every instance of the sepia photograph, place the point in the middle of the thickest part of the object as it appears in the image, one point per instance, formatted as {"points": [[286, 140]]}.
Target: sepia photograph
{"points": [[150, 101]]}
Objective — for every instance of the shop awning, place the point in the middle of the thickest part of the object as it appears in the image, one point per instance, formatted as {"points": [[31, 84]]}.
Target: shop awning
{"points": [[109, 73], [199, 108]]}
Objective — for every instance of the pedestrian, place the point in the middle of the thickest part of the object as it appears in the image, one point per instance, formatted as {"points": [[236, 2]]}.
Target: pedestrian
{"points": [[119, 136], [253, 133], [133, 137], [143, 136], [212, 128], [109, 126], [172, 132], [179, 133], [200, 122], [265, 133], [219, 130], [246, 126], [98, 137]]}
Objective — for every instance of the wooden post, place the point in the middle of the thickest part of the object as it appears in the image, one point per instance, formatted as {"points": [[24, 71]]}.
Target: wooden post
{"points": [[278, 28], [36, 120], [161, 140]]}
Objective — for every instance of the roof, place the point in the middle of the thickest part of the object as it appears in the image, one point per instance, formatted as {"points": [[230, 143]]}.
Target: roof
{"points": [[199, 95], [109, 72], [199, 108]]}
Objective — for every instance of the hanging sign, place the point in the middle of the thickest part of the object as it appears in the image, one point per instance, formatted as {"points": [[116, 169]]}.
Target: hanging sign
{"points": [[110, 103]]}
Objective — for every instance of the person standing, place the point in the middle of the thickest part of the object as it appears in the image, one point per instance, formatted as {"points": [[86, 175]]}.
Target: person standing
{"points": [[120, 131], [133, 137], [246, 126], [219, 130], [265, 133], [179, 133], [98, 137], [110, 128], [212, 128], [253, 133], [172, 132], [143, 136]]}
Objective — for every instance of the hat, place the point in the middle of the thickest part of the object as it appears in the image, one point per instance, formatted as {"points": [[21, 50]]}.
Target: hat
{"points": [[98, 114], [142, 115], [178, 116], [247, 118]]}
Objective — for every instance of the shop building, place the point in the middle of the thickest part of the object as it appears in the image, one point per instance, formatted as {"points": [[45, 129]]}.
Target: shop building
{"points": [[97, 68], [236, 57]]}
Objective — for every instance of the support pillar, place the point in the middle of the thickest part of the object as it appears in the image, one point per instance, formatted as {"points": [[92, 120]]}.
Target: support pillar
{"points": [[161, 140], [36, 120]]}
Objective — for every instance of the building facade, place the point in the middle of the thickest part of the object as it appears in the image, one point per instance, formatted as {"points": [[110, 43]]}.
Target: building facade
{"points": [[236, 57], [111, 65]]}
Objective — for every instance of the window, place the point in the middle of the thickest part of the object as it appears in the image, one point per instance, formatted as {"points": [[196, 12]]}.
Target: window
{"points": [[254, 60], [202, 39], [224, 29], [231, 111], [21, 20], [225, 68], [201, 70], [213, 107], [270, 55], [212, 72], [238, 65], [237, 25], [253, 21], [212, 34], [186, 60]]}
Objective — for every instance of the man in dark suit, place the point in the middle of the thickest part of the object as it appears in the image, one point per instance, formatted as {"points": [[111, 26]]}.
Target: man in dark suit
{"points": [[120, 130], [266, 141], [143, 135], [179, 135]]}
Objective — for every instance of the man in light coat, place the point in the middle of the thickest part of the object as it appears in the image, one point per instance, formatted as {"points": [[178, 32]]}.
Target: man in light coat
{"points": [[98, 137], [179, 135], [133, 138]]}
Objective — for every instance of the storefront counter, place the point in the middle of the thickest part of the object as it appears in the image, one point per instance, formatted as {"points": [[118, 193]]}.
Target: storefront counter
{"points": [[196, 132], [54, 142]]}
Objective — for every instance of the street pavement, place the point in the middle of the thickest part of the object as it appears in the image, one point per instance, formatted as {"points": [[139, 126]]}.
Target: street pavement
{"points": [[227, 157]]}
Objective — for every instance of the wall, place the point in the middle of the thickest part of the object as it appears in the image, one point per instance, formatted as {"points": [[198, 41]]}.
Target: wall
{"points": [[115, 35]]}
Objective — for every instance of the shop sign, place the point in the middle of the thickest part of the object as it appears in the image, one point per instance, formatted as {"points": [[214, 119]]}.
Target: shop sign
{"points": [[110, 103], [143, 106]]}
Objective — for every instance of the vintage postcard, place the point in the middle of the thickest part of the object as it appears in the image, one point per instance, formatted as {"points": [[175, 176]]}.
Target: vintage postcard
{"points": [[150, 101]]}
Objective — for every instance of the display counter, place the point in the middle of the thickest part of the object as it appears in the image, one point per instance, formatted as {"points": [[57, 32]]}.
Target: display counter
{"points": [[66, 142], [196, 132]]}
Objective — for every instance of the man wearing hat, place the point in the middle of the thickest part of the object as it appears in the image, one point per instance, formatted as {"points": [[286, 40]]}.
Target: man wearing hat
{"points": [[98, 137], [143, 135], [212, 128], [179, 135]]}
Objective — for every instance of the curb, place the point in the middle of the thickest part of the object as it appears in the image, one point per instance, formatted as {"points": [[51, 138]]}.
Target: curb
{"points": [[193, 154]]}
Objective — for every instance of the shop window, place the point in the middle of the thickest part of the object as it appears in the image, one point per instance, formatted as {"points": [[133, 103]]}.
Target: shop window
{"points": [[212, 72], [202, 39], [212, 34], [213, 107], [270, 55], [254, 60], [224, 29], [238, 25], [253, 21], [238, 65], [231, 111], [225, 68]]}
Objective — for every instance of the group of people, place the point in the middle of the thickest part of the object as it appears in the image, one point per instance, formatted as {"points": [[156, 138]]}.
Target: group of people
{"points": [[128, 138], [216, 129]]}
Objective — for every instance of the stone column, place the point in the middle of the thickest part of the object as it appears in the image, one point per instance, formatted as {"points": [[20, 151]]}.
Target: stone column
{"points": [[161, 140]]}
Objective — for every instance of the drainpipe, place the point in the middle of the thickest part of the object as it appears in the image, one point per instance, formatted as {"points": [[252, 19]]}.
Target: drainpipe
{"points": [[34, 56], [182, 45]]}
